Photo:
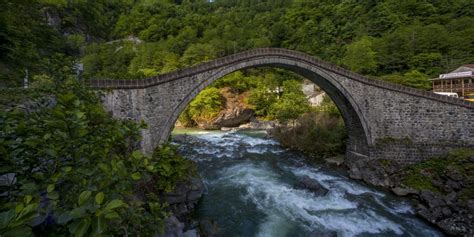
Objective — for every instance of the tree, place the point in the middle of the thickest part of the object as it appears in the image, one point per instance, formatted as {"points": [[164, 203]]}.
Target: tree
{"points": [[360, 56], [292, 104], [206, 105]]}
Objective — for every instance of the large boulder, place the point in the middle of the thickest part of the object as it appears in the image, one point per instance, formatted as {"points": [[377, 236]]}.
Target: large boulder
{"points": [[312, 185]]}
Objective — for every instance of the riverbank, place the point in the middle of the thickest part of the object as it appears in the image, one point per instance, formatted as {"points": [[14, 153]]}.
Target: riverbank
{"points": [[443, 187]]}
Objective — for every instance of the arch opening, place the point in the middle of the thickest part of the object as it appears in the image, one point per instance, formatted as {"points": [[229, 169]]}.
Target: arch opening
{"points": [[357, 129]]}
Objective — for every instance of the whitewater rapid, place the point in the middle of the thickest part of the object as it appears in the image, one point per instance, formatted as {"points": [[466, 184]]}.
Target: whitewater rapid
{"points": [[249, 180]]}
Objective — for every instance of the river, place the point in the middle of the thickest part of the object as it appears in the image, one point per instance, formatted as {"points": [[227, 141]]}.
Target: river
{"points": [[249, 183]]}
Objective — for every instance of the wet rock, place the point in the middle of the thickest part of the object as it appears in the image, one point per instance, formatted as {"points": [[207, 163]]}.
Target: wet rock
{"points": [[208, 228], [312, 185], [337, 160], [323, 233], [401, 191], [184, 197], [191, 233], [259, 125], [455, 226], [454, 175], [450, 198], [433, 200], [173, 227], [382, 173], [454, 185]]}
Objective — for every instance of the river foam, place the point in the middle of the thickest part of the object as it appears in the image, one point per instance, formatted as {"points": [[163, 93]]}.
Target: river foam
{"points": [[251, 192]]}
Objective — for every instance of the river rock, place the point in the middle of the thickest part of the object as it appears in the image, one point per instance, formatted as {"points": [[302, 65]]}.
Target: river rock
{"points": [[312, 185], [173, 228], [208, 228], [433, 200], [184, 197], [259, 125], [402, 191], [336, 160]]}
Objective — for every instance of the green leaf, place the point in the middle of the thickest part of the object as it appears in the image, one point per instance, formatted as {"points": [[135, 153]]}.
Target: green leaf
{"points": [[27, 199], [114, 204], [80, 115], [80, 229], [6, 217], [46, 136], [136, 176], [51, 152], [50, 188], [112, 215], [137, 155], [83, 197], [53, 195], [99, 226], [104, 167], [99, 198], [19, 207], [77, 212], [64, 218], [18, 231], [67, 169]]}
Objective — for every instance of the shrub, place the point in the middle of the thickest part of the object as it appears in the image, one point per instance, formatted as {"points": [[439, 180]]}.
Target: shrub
{"points": [[76, 171], [317, 134]]}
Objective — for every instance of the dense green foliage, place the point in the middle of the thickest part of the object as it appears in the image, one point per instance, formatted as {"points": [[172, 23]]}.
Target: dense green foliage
{"points": [[76, 170], [206, 105], [373, 37]]}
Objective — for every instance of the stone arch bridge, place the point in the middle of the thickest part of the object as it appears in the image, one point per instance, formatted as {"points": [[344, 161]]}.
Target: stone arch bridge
{"points": [[383, 120]]}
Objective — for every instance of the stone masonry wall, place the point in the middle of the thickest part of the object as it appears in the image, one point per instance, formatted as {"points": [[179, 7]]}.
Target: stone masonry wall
{"points": [[383, 120]]}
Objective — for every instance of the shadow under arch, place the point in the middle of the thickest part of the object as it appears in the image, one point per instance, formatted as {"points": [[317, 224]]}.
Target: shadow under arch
{"points": [[359, 137]]}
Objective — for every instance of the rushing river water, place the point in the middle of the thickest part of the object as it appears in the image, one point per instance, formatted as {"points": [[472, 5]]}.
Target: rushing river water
{"points": [[249, 192]]}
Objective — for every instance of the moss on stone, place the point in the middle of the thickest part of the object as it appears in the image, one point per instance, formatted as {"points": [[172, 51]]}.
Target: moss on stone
{"points": [[420, 176]]}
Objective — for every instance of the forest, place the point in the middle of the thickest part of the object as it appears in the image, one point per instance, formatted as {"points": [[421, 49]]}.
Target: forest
{"points": [[404, 42]]}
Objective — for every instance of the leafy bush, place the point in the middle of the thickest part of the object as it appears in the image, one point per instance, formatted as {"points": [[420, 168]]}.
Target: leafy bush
{"points": [[317, 134], [75, 171]]}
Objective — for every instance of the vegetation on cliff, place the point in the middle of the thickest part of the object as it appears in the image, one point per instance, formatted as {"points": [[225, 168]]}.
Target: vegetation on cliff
{"points": [[68, 168]]}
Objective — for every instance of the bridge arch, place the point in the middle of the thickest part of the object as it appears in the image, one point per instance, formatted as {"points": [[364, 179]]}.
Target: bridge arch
{"points": [[383, 120], [356, 124]]}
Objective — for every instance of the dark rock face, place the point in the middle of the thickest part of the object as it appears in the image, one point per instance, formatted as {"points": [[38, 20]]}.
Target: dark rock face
{"points": [[208, 228], [233, 117], [185, 197], [382, 173], [182, 202], [312, 185]]}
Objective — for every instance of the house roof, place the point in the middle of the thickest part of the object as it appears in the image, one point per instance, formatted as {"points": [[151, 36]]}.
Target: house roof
{"points": [[464, 71], [464, 68]]}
